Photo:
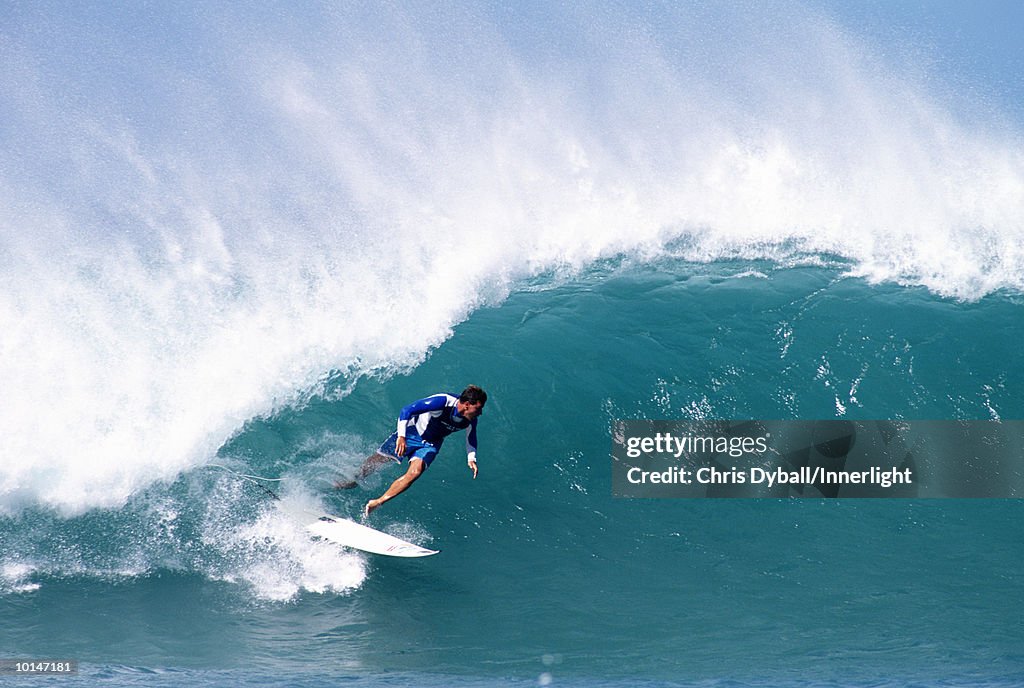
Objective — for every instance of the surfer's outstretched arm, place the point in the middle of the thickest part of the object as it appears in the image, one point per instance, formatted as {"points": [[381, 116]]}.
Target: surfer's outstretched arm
{"points": [[416, 467]]}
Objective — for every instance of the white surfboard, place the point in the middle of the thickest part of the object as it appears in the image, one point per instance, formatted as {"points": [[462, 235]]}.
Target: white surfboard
{"points": [[342, 531]]}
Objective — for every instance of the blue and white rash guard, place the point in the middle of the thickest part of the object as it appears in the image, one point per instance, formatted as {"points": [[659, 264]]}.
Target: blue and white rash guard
{"points": [[434, 418]]}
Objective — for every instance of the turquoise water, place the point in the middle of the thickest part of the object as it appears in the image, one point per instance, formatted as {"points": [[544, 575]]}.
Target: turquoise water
{"points": [[246, 237], [543, 574]]}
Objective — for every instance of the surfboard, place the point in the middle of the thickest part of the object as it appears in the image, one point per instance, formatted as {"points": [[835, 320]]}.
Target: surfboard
{"points": [[342, 531]]}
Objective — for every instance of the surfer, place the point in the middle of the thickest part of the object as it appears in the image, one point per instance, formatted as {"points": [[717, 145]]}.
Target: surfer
{"points": [[422, 427]]}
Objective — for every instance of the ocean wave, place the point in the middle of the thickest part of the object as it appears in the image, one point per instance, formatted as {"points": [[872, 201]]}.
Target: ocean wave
{"points": [[188, 244]]}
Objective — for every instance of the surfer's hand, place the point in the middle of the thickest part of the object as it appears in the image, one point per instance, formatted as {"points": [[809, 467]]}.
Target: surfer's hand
{"points": [[472, 467], [371, 505], [400, 447]]}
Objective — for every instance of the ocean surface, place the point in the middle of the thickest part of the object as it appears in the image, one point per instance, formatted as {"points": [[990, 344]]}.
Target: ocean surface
{"points": [[243, 250]]}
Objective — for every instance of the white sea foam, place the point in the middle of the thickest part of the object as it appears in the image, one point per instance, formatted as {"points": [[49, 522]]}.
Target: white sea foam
{"points": [[271, 553], [186, 245], [14, 577], [277, 558]]}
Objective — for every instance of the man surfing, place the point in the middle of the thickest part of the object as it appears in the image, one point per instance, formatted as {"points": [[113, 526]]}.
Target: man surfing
{"points": [[422, 427]]}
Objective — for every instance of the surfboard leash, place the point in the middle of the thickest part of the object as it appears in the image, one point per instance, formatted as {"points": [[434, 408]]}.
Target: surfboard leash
{"points": [[253, 479]]}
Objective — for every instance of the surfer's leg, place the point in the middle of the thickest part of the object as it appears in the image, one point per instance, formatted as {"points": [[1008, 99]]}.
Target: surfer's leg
{"points": [[370, 466], [373, 464]]}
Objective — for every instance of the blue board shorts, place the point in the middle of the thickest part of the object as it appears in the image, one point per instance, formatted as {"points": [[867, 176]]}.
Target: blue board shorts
{"points": [[414, 447]]}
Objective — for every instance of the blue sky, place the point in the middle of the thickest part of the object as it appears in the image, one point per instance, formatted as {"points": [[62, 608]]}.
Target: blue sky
{"points": [[975, 44]]}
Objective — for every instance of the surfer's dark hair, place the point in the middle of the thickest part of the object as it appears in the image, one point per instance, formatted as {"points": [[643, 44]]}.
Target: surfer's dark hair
{"points": [[473, 395]]}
